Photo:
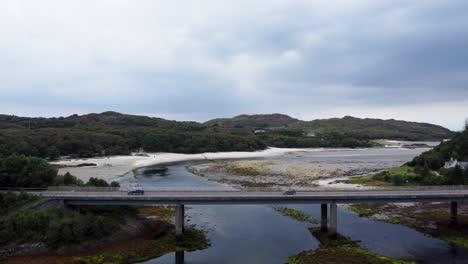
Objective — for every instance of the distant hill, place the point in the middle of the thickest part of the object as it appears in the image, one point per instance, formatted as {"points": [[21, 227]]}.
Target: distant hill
{"points": [[347, 126], [255, 121], [102, 120], [112, 133], [377, 128]]}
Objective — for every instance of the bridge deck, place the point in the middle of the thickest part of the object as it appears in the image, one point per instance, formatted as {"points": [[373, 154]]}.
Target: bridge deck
{"points": [[171, 197]]}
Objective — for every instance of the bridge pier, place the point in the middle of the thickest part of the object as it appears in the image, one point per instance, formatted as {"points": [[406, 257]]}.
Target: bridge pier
{"points": [[179, 220], [333, 220], [179, 257], [324, 218], [453, 213]]}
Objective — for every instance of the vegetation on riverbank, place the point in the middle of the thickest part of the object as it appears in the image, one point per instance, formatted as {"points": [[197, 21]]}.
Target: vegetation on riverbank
{"points": [[435, 158], [341, 250], [62, 232], [413, 176], [141, 234], [429, 218], [55, 227], [19, 171], [142, 249], [427, 168], [295, 214], [404, 175]]}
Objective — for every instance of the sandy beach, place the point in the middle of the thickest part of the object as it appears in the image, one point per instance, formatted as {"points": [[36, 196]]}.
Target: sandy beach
{"points": [[115, 167], [272, 167]]}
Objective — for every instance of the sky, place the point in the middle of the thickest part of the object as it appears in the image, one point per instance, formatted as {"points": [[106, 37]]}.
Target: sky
{"points": [[198, 60]]}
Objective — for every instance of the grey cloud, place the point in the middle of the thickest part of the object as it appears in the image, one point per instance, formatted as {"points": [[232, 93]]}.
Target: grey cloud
{"points": [[220, 59]]}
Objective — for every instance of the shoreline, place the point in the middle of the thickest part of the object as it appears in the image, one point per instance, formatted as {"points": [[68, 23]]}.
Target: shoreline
{"points": [[116, 168], [148, 234]]}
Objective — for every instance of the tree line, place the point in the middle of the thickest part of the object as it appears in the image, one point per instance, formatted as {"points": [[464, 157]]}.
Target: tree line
{"points": [[19, 171]]}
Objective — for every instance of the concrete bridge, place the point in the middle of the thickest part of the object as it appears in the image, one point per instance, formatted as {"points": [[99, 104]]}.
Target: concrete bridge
{"points": [[325, 197]]}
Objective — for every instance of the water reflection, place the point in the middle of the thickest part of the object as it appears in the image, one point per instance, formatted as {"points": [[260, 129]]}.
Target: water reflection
{"points": [[180, 257]]}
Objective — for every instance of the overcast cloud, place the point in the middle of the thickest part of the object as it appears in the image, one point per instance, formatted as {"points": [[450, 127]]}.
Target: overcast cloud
{"points": [[196, 60]]}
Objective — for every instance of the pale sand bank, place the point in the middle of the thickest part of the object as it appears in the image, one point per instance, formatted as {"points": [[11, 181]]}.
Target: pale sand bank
{"points": [[112, 168]]}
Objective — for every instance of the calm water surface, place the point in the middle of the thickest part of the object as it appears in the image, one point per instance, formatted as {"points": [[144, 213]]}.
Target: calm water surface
{"points": [[258, 234]]}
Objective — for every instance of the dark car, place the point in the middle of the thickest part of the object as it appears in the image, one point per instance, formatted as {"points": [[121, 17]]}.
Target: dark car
{"points": [[136, 192], [290, 192]]}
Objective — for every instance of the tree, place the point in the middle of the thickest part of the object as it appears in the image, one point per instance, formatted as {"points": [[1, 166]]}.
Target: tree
{"points": [[97, 182], [22, 171], [455, 176], [398, 180], [53, 153], [114, 184]]}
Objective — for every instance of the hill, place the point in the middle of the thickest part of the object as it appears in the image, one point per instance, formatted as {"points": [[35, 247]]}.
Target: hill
{"points": [[255, 121], [102, 120], [112, 133], [369, 128], [435, 158], [347, 126]]}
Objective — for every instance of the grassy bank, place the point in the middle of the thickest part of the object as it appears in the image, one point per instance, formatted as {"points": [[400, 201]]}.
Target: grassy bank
{"points": [[428, 218], [341, 250], [399, 176], [95, 235], [295, 214]]}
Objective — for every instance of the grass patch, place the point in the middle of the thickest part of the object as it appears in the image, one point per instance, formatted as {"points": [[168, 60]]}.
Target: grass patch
{"points": [[350, 255], [367, 180], [165, 213], [295, 214], [456, 240], [341, 250], [403, 171], [363, 210], [400, 176], [394, 220]]}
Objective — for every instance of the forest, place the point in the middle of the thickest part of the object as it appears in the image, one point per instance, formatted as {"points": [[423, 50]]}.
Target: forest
{"points": [[112, 133]]}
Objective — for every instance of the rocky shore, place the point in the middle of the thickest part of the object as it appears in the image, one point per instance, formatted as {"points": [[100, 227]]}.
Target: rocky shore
{"points": [[277, 173]]}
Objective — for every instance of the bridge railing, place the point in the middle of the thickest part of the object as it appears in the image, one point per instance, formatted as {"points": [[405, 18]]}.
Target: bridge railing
{"points": [[19, 189], [256, 189], [82, 189]]}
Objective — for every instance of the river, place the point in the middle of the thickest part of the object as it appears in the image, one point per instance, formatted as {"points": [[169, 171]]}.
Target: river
{"points": [[258, 234]]}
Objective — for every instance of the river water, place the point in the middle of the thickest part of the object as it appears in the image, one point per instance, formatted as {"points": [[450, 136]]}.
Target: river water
{"points": [[258, 234]]}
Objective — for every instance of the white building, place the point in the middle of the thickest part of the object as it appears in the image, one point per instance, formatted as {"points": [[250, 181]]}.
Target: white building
{"points": [[453, 163]]}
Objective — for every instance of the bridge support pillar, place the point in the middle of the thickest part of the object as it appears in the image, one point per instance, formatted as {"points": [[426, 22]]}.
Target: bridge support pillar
{"points": [[179, 257], [333, 220], [179, 220], [324, 217], [453, 213]]}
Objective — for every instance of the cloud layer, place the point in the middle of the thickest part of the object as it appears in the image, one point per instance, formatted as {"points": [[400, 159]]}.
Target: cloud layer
{"points": [[196, 60]]}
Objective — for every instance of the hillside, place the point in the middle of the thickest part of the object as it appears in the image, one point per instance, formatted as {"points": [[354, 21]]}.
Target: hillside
{"points": [[112, 133], [255, 121], [456, 148], [102, 120], [377, 128], [347, 126], [427, 168]]}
